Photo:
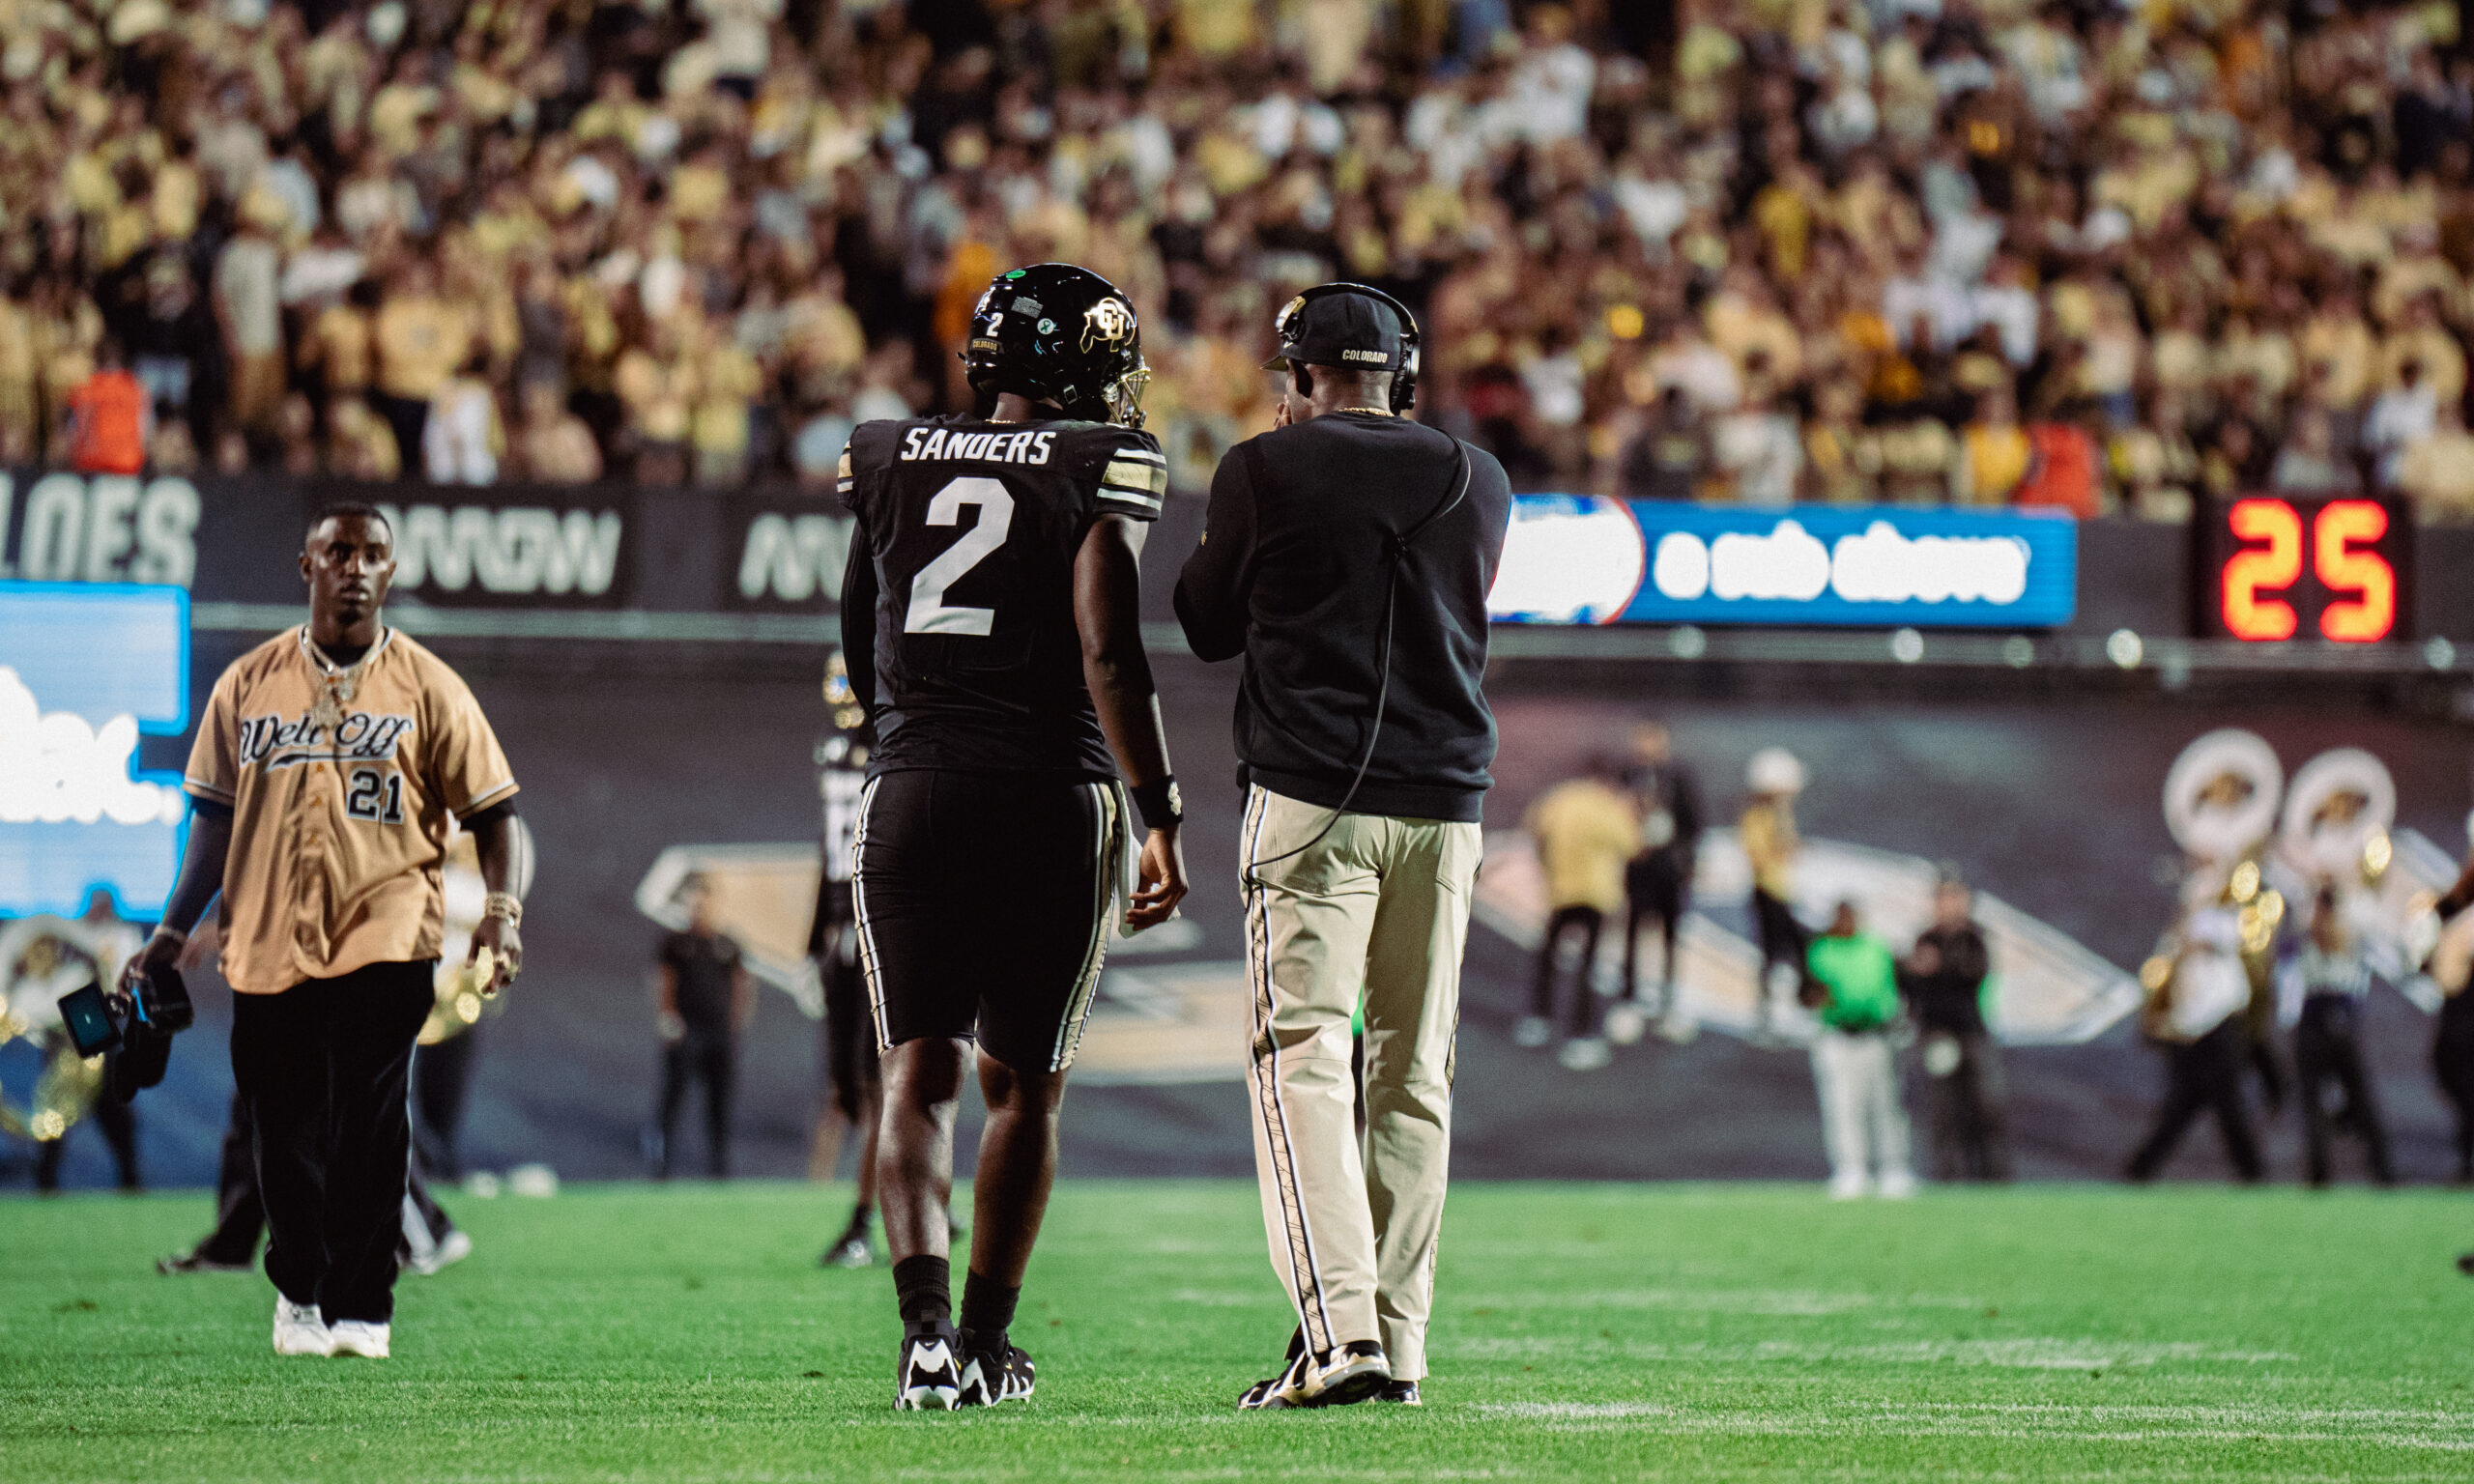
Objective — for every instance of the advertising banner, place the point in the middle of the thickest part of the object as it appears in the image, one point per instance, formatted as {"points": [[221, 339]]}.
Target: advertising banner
{"points": [[84, 670], [1592, 559]]}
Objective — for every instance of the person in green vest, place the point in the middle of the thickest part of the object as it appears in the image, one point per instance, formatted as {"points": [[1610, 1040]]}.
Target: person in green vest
{"points": [[1852, 992]]}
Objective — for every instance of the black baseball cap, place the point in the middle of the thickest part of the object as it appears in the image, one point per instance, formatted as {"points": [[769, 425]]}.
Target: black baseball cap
{"points": [[1354, 331]]}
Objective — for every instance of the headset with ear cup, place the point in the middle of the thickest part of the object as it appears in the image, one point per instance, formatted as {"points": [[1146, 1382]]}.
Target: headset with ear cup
{"points": [[1404, 380]]}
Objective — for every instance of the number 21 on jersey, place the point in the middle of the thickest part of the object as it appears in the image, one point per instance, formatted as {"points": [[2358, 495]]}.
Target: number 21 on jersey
{"points": [[994, 516]]}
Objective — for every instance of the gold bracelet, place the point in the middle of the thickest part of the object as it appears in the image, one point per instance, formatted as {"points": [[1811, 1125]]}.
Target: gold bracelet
{"points": [[506, 906]]}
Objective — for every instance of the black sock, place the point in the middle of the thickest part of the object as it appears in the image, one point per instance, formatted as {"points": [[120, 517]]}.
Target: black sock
{"points": [[988, 1308], [860, 1217], [923, 1288]]}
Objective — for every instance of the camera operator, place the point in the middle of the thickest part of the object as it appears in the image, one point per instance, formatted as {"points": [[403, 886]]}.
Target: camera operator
{"points": [[1347, 556], [325, 770]]}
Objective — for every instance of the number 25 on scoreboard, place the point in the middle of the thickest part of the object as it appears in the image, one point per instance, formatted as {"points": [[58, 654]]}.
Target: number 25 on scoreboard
{"points": [[2349, 556]]}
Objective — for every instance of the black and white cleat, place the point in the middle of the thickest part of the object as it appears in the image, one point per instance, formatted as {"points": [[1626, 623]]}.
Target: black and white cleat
{"points": [[928, 1375]]}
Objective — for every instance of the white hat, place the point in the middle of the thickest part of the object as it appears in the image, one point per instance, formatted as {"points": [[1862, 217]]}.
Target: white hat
{"points": [[1774, 770]]}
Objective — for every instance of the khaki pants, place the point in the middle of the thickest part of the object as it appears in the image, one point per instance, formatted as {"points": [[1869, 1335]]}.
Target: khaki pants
{"points": [[1377, 910], [1864, 1127]]}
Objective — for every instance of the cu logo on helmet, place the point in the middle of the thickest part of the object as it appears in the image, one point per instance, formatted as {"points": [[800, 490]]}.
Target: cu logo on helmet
{"points": [[1108, 320]]}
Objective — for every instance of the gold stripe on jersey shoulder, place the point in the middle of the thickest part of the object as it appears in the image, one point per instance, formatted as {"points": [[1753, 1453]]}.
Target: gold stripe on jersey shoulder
{"points": [[1135, 474]]}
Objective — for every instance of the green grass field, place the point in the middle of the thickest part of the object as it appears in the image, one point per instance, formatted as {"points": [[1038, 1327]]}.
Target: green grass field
{"points": [[1582, 1332]]}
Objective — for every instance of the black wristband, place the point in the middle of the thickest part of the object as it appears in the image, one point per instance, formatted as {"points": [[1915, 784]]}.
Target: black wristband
{"points": [[1160, 804]]}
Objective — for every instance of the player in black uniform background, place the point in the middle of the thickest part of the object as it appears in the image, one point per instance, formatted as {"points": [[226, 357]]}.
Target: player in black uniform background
{"points": [[989, 619]]}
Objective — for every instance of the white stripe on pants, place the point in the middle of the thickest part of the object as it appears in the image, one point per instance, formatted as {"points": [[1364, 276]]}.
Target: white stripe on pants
{"points": [[1377, 911], [1860, 1116]]}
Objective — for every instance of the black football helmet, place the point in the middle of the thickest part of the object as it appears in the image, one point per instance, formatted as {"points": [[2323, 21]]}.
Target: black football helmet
{"points": [[1060, 334]]}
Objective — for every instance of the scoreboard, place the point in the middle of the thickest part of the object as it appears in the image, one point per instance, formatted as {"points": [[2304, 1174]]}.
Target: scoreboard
{"points": [[2311, 567]]}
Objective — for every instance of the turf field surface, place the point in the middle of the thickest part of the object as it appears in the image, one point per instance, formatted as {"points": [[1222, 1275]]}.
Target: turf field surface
{"points": [[684, 1332]]}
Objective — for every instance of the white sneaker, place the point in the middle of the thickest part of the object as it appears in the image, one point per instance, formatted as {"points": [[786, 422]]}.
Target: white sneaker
{"points": [[361, 1337], [1530, 1032], [1849, 1187], [1625, 1022], [299, 1330], [1585, 1053], [457, 1246], [1898, 1186]]}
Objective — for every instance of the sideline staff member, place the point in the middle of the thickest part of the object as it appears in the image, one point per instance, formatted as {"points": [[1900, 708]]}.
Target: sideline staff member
{"points": [[1347, 556], [325, 774]]}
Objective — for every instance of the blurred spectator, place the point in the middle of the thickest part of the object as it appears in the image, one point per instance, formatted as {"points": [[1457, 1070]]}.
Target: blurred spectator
{"points": [[1670, 456], [1756, 447], [554, 446], [704, 1001], [248, 312], [2406, 413], [2321, 992], [1767, 829], [421, 341], [2166, 222], [1851, 989], [461, 439], [1944, 979], [1657, 883], [2309, 461], [110, 418], [2195, 1015], [1585, 829]]}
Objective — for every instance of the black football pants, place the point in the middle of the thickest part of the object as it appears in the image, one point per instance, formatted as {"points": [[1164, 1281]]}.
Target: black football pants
{"points": [[2453, 1063], [321, 1069], [2202, 1076], [1588, 922], [2327, 1049], [710, 1057]]}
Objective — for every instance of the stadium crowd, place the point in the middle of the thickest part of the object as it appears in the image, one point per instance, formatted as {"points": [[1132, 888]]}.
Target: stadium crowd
{"points": [[1912, 250]]}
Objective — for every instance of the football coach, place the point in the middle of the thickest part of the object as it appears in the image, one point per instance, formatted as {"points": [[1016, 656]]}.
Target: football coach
{"points": [[1346, 554]]}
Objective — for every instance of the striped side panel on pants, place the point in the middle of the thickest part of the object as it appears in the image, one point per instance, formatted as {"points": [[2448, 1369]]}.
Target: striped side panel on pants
{"points": [[860, 908], [1268, 1105], [1107, 823]]}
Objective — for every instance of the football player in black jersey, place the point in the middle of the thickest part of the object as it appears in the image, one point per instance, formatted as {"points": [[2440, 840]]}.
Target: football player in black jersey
{"points": [[990, 617]]}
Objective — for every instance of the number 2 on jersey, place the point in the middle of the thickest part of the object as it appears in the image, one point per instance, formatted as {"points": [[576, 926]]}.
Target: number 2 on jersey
{"points": [[929, 613]]}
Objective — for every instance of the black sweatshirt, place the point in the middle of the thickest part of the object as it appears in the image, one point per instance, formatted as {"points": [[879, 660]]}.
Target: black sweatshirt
{"points": [[1291, 573]]}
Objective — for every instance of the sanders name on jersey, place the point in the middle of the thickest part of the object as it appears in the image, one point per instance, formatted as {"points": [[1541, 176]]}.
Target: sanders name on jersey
{"points": [[994, 448]]}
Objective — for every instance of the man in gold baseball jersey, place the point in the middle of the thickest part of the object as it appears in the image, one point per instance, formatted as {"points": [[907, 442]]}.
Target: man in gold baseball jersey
{"points": [[327, 770]]}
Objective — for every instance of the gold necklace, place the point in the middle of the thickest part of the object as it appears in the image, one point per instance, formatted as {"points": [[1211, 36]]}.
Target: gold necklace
{"points": [[339, 684], [1379, 411]]}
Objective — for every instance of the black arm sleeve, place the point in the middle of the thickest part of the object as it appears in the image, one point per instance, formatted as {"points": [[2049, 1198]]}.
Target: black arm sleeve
{"points": [[1212, 591], [859, 616]]}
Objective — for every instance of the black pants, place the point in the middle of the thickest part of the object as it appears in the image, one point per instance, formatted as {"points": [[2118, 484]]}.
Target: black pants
{"points": [[441, 1074], [321, 1069], [406, 417], [240, 1217], [1783, 940], [118, 1122], [1971, 1129], [710, 1057], [2327, 1049], [2453, 1060], [850, 1034], [1651, 889], [1588, 922], [2202, 1076]]}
